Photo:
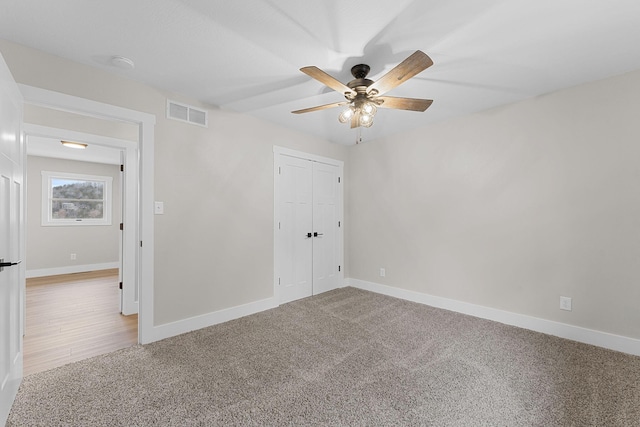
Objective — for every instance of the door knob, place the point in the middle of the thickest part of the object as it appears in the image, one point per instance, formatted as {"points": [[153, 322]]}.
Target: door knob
{"points": [[316, 234], [308, 235], [9, 264]]}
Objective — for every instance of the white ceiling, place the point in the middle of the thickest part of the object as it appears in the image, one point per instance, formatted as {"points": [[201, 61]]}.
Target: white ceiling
{"points": [[245, 55], [52, 147]]}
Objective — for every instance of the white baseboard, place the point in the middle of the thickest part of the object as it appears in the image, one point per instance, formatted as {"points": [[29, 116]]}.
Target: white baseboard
{"points": [[562, 330], [168, 330], [71, 269], [178, 327]]}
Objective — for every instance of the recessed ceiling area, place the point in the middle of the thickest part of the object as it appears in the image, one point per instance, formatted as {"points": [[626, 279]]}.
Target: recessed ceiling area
{"points": [[246, 56]]}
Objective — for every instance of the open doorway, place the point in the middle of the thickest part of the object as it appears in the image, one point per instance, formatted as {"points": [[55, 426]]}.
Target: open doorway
{"points": [[139, 238], [77, 260]]}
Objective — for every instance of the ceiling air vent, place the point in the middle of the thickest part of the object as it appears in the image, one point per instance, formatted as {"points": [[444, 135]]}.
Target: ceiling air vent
{"points": [[186, 113]]}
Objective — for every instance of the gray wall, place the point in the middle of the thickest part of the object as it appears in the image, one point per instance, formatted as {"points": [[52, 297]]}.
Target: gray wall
{"points": [[511, 208], [51, 247], [214, 243]]}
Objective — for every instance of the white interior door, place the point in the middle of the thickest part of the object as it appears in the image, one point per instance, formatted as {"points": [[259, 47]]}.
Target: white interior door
{"points": [[326, 264], [308, 238], [129, 234], [120, 234], [295, 229], [11, 240]]}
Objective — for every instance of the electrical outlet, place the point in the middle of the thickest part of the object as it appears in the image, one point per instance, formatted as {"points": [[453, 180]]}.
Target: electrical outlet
{"points": [[565, 303], [73, 256], [382, 272]]}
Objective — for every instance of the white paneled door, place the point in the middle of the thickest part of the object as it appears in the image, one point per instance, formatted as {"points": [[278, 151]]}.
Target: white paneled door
{"points": [[308, 226], [11, 240], [295, 229], [326, 264]]}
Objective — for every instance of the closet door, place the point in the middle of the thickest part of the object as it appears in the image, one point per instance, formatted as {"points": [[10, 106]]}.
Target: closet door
{"points": [[295, 238], [307, 236], [325, 227]]}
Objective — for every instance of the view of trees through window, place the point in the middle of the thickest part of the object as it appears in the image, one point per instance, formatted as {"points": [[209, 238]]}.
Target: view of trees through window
{"points": [[77, 199]]}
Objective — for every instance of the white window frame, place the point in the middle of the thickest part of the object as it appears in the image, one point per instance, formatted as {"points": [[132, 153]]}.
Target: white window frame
{"points": [[47, 196]]}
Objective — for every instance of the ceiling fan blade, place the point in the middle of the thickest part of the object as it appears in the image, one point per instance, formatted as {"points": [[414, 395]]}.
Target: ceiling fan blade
{"points": [[412, 104], [320, 107], [414, 64], [327, 80]]}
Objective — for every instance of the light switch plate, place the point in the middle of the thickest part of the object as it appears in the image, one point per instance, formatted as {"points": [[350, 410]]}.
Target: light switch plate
{"points": [[158, 208]]}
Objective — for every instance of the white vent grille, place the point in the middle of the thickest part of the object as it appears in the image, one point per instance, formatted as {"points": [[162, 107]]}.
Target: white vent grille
{"points": [[186, 113]]}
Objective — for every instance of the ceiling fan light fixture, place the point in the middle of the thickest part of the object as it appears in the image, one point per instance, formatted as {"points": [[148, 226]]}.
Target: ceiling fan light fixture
{"points": [[369, 108], [346, 114], [76, 145], [366, 120]]}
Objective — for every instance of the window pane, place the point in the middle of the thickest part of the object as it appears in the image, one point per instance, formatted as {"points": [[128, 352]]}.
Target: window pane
{"points": [[75, 189], [70, 199], [74, 209]]}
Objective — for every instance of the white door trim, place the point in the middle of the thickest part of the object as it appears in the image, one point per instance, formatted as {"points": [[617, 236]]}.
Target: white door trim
{"points": [[12, 280], [306, 156], [280, 151], [146, 123], [129, 202]]}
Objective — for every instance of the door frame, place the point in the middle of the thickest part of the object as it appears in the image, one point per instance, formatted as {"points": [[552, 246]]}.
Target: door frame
{"points": [[129, 194], [13, 160], [145, 221], [277, 153]]}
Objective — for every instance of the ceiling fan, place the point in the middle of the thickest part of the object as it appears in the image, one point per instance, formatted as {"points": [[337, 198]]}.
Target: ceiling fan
{"points": [[364, 96]]}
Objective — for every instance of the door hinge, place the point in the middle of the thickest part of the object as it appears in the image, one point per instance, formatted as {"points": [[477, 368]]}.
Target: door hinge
{"points": [[278, 280], [338, 223], [121, 226], [278, 225], [120, 285], [279, 170], [338, 180], [121, 168], [140, 243], [338, 268]]}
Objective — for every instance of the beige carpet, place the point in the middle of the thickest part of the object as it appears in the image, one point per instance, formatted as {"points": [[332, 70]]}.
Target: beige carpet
{"points": [[343, 358]]}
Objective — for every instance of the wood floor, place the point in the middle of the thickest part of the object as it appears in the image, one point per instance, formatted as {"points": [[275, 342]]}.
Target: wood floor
{"points": [[72, 317]]}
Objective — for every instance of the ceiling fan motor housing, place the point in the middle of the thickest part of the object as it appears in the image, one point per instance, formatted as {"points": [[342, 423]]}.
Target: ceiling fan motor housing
{"points": [[360, 71], [360, 83]]}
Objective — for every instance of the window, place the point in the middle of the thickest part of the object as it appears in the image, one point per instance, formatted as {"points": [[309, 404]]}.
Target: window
{"points": [[74, 199]]}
